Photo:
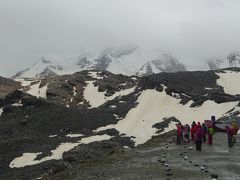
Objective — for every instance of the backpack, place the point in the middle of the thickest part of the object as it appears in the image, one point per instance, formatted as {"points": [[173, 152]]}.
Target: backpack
{"points": [[210, 131]]}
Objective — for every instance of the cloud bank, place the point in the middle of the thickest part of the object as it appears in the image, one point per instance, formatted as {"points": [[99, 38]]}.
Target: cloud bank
{"points": [[192, 30]]}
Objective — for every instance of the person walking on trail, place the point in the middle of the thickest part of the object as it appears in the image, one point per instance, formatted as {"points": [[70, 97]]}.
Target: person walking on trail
{"points": [[204, 132], [199, 137], [193, 129], [235, 131], [213, 119], [229, 131], [210, 135], [186, 132], [179, 133]]}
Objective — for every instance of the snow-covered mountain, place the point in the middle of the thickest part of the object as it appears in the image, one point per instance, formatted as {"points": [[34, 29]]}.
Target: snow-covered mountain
{"points": [[130, 60], [127, 60], [49, 117], [167, 64], [43, 67]]}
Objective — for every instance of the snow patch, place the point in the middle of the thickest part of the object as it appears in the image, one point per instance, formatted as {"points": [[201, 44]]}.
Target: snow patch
{"points": [[95, 75], [35, 90], [1, 111], [96, 98], [18, 104], [186, 95], [208, 88], [52, 136], [230, 82], [126, 147], [74, 135], [116, 116], [74, 91], [154, 106], [28, 159]]}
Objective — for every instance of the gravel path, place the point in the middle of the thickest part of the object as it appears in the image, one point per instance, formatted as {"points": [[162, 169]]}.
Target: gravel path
{"points": [[169, 161]]}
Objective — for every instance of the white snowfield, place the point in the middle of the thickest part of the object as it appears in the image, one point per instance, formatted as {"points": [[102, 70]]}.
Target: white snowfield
{"points": [[28, 159], [154, 106], [96, 98], [35, 90], [230, 82]]}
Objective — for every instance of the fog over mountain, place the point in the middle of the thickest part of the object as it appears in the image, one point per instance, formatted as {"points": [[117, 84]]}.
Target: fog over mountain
{"points": [[191, 30]]}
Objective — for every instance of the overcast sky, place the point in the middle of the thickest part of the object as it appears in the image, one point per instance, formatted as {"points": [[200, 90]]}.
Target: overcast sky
{"points": [[192, 30]]}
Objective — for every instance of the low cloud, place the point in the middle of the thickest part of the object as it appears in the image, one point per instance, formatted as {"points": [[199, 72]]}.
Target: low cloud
{"points": [[191, 30]]}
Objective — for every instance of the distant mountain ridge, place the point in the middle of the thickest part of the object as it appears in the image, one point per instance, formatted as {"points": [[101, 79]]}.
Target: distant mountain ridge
{"points": [[129, 60]]}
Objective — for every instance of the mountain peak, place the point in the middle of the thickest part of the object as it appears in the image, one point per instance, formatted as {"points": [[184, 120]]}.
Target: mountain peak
{"points": [[45, 61], [42, 67]]}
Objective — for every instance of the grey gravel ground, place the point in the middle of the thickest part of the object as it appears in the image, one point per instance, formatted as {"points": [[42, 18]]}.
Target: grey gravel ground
{"points": [[181, 162]]}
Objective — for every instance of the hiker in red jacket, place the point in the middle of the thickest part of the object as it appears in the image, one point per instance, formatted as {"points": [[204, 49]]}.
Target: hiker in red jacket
{"points": [[179, 133], [199, 137]]}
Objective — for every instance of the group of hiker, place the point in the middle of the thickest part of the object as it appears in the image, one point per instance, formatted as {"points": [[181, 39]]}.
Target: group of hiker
{"points": [[199, 133]]}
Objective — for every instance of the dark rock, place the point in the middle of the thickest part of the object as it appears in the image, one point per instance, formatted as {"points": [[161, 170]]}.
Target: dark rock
{"points": [[90, 152], [214, 176], [61, 166], [164, 124], [23, 122]]}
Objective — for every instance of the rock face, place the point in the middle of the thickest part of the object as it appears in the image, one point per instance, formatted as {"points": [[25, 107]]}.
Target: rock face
{"points": [[75, 110], [7, 86], [103, 61]]}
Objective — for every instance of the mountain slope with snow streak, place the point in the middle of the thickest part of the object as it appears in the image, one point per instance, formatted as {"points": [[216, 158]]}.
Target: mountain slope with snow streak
{"points": [[229, 80], [48, 117], [96, 98], [28, 159], [155, 106]]}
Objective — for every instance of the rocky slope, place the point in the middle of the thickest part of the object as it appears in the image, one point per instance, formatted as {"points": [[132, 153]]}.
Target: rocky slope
{"points": [[68, 117], [7, 86]]}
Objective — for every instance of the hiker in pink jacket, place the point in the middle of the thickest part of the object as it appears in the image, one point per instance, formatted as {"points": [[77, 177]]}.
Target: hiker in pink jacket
{"points": [[199, 137]]}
